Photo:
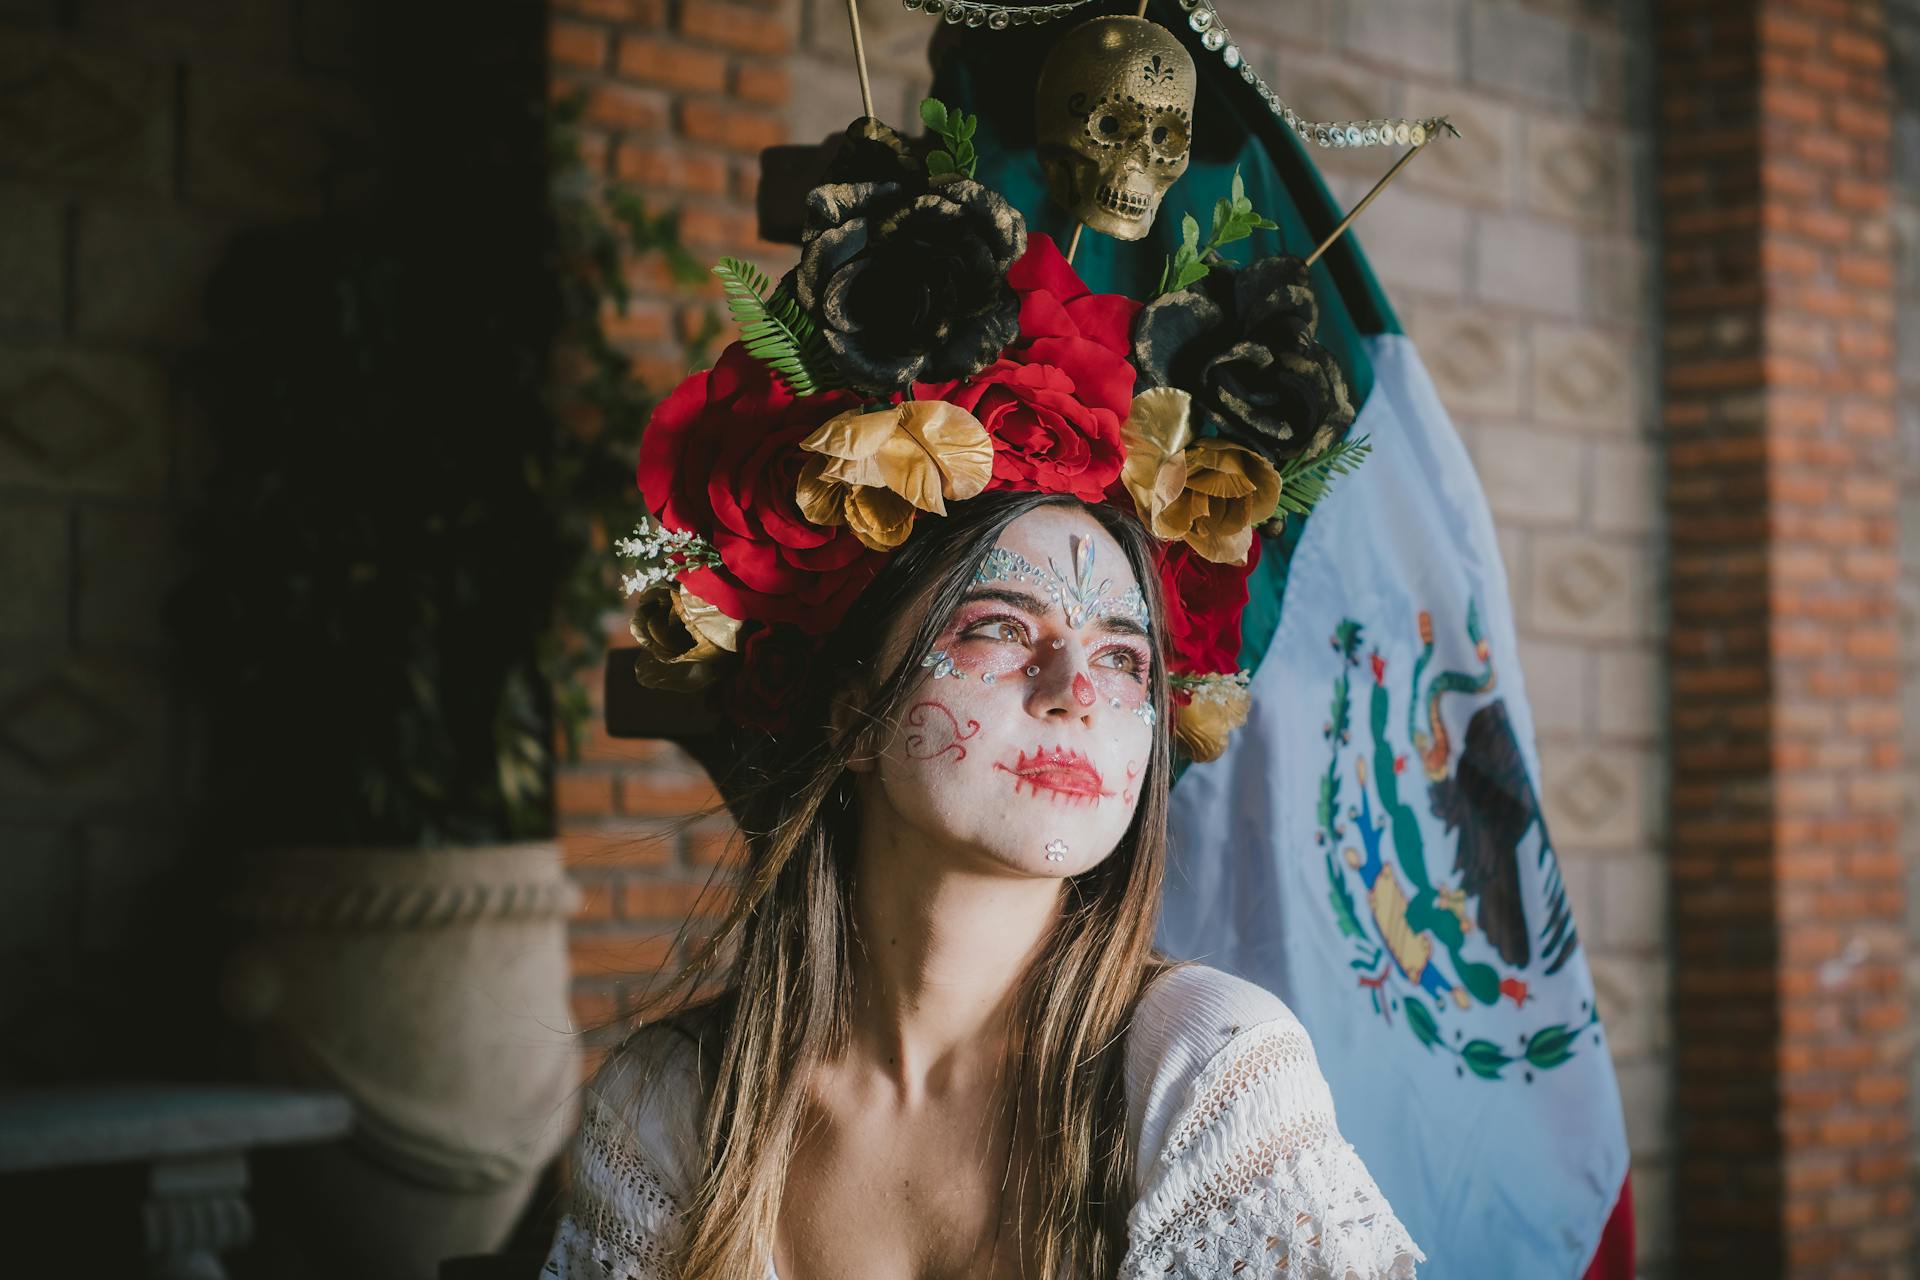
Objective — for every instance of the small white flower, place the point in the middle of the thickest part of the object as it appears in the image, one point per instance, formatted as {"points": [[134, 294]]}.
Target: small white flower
{"points": [[663, 555]]}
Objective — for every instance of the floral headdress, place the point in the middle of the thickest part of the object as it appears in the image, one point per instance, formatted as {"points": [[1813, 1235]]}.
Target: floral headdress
{"points": [[927, 349]]}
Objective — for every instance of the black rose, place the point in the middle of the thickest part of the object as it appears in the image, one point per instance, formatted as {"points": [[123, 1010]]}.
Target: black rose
{"points": [[909, 285], [871, 152], [1240, 342]]}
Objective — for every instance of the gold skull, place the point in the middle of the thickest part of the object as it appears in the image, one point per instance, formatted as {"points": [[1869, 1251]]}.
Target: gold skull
{"points": [[1113, 115]]}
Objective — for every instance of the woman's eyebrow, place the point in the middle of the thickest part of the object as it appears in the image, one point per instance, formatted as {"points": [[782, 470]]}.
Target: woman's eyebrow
{"points": [[1122, 623], [1007, 595]]}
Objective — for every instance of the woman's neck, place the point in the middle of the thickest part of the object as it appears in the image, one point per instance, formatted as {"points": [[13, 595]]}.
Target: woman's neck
{"points": [[942, 941]]}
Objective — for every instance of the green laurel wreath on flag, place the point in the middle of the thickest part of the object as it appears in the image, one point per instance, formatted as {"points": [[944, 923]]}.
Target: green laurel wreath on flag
{"points": [[1542, 1050]]}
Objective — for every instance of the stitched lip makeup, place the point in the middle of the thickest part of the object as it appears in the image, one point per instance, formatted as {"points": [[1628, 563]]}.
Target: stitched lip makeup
{"points": [[1060, 770]]}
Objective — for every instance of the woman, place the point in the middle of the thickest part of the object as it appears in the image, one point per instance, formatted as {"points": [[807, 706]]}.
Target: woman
{"points": [[945, 1046]]}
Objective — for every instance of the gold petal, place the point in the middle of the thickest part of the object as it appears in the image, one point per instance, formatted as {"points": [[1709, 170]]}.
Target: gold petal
{"points": [[904, 466], [1217, 470], [1156, 430], [1176, 517], [819, 496], [956, 441], [672, 655], [705, 621], [1161, 419], [852, 434], [1172, 480], [1219, 542], [879, 518]]}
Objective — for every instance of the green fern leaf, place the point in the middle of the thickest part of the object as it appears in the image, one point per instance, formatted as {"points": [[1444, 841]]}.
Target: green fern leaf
{"points": [[1304, 481], [773, 328]]}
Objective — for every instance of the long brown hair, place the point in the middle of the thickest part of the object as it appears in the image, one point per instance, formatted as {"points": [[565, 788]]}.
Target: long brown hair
{"points": [[784, 951]]}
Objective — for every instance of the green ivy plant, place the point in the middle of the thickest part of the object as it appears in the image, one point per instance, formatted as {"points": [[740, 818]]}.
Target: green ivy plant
{"points": [[1233, 219], [956, 129]]}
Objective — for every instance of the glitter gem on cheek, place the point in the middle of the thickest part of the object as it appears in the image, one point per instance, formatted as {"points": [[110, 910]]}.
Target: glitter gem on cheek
{"points": [[1083, 689]]}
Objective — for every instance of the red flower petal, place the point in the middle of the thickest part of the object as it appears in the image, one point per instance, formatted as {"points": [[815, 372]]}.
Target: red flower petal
{"points": [[1043, 267]]}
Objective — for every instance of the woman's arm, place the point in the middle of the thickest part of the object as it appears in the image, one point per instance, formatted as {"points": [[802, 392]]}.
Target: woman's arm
{"points": [[1248, 1169]]}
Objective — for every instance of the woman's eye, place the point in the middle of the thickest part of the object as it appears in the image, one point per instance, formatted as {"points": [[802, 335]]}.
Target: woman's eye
{"points": [[1121, 660], [997, 629]]}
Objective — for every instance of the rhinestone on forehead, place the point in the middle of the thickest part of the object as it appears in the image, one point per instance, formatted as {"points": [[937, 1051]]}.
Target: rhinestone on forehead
{"points": [[1079, 597]]}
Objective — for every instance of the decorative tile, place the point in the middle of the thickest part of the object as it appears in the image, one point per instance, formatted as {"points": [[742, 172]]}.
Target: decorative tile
{"points": [[271, 144], [1323, 90], [82, 733], [1585, 379], [1575, 171], [85, 117], [1476, 358], [1596, 799], [1480, 165], [59, 728], [81, 422], [1586, 590]]}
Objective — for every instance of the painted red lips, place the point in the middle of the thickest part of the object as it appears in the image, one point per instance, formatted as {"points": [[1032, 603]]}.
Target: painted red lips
{"points": [[1059, 770]]}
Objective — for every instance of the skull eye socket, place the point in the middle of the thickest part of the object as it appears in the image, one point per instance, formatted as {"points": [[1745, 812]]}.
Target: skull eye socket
{"points": [[1115, 124], [1168, 135]]}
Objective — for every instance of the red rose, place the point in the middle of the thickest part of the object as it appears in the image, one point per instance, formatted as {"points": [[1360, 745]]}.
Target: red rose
{"points": [[721, 458], [1204, 601], [774, 664], [1054, 401]]}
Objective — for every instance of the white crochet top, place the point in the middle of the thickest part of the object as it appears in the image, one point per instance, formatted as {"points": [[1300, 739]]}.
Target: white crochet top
{"points": [[1240, 1170]]}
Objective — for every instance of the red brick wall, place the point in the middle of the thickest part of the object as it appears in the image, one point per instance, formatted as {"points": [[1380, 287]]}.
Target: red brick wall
{"points": [[680, 99], [1789, 907]]}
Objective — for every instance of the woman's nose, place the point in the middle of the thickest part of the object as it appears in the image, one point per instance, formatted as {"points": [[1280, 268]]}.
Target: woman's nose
{"points": [[1061, 685]]}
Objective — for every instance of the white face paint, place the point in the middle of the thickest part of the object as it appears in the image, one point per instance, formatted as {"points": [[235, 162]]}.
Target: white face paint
{"points": [[1031, 726]]}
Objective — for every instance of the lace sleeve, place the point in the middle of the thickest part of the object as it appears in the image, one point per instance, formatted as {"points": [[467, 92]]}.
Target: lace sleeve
{"points": [[1253, 1178], [629, 1167]]}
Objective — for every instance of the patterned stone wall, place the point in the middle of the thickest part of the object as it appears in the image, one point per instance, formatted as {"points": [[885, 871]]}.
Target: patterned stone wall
{"points": [[136, 140]]}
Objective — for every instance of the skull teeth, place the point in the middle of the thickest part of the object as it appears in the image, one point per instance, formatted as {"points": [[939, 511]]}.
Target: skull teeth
{"points": [[1123, 202]]}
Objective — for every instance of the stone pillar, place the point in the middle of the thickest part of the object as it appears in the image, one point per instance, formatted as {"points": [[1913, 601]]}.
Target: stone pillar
{"points": [[1787, 886]]}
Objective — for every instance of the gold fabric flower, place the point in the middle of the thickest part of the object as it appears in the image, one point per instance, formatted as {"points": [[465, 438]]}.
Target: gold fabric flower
{"points": [[1202, 726], [1208, 493], [875, 470], [683, 639]]}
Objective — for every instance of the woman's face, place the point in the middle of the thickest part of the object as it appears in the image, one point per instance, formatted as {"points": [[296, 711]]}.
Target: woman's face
{"points": [[1027, 735]]}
